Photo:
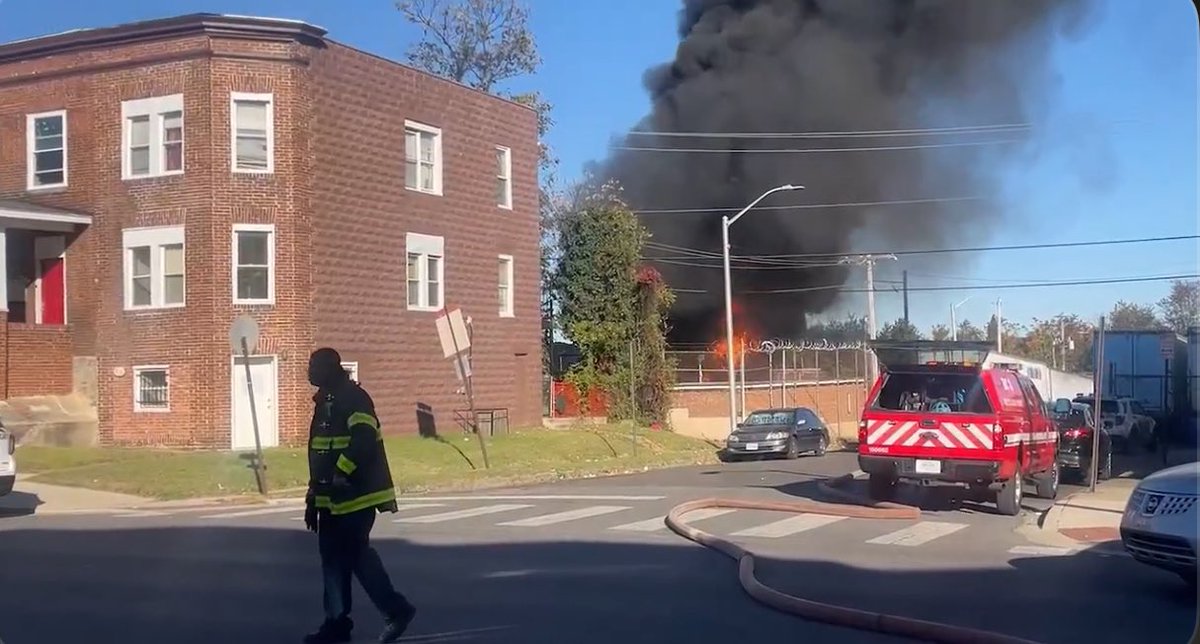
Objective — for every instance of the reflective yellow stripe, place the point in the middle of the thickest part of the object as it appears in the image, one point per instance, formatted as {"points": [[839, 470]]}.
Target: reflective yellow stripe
{"points": [[361, 418], [321, 501], [346, 465], [330, 442], [363, 502]]}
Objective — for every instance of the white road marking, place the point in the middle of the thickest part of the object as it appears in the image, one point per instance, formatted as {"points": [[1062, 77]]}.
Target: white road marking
{"points": [[1041, 551], [463, 514], [140, 513], [251, 513], [789, 526], [659, 522], [918, 534], [563, 517]]}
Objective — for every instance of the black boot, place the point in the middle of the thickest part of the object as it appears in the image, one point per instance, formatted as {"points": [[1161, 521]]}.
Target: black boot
{"points": [[331, 632], [397, 624]]}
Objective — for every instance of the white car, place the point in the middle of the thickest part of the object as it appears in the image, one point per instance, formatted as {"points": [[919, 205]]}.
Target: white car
{"points": [[1160, 522], [8, 462], [1125, 420]]}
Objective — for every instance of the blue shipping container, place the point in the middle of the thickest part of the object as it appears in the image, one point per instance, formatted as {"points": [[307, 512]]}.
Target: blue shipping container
{"points": [[1147, 366]]}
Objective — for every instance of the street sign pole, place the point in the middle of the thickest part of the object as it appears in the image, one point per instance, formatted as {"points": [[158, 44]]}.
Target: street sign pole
{"points": [[1098, 352], [450, 327], [243, 337]]}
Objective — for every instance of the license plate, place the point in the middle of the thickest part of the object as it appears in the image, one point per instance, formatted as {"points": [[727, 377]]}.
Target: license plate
{"points": [[928, 467], [751, 446]]}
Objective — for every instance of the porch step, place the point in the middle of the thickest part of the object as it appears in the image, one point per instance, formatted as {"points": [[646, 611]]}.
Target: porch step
{"points": [[58, 421]]}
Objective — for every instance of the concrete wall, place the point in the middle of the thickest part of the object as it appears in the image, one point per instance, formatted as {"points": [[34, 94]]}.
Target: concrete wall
{"points": [[704, 412]]}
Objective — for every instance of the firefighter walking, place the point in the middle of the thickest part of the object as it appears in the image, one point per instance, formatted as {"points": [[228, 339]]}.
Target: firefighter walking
{"points": [[349, 482]]}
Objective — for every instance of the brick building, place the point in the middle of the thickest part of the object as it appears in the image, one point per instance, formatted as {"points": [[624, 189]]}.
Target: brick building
{"points": [[159, 179]]}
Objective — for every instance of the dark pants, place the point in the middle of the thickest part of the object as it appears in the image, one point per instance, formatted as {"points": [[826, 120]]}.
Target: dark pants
{"points": [[345, 546]]}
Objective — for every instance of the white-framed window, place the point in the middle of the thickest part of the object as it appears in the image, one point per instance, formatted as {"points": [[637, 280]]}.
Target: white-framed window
{"points": [[253, 263], [151, 389], [351, 369], [152, 137], [425, 272], [506, 285], [504, 177], [46, 142], [154, 267], [422, 158], [252, 121]]}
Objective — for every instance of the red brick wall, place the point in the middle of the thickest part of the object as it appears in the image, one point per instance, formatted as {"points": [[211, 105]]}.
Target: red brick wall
{"points": [[362, 212], [39, 360], [842, 402]]}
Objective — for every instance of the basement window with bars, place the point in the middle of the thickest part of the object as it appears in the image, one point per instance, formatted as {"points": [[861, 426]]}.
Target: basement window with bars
{"points": [[151, 389]]}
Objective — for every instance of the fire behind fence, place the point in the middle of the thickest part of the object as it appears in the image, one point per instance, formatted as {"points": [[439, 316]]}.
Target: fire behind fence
{"points": [[791, 366]]}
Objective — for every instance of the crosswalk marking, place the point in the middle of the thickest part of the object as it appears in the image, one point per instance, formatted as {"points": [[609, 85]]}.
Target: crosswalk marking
{"points": [[1040, 551], [141, 513], [789, 526], [401, 508], [659, 522], [464, 514], [918, 534], [251, 513], [562, 517]]}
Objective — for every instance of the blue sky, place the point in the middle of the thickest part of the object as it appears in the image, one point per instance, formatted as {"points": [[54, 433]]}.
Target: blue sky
{"points": [[1139, 62]]}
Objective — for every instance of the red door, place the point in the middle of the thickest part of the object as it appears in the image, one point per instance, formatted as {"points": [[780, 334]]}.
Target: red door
{"points": [[52, 291]]}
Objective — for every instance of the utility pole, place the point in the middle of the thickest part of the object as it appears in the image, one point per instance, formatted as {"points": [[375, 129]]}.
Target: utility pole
{"points": [[999, 327], [869, 262], [905, 278]]}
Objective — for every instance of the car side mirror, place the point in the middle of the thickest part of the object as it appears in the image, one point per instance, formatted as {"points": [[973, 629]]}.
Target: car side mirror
{"points": [[1062, 406]]}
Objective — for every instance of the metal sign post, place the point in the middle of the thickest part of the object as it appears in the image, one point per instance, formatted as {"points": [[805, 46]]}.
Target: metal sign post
{"points": [[1098, 352], [243, 337], [455, 337]]}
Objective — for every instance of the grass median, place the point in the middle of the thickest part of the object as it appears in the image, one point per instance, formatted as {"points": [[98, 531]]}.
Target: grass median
{"points": [[448, 463]]}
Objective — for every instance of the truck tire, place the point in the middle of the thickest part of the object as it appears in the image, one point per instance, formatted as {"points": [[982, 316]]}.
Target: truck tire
{"points": [[1047, 483], [1008, 499], [881, 487]]}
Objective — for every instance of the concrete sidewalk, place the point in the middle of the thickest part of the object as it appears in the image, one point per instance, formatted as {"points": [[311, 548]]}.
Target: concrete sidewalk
{"points": [[31, 497]]}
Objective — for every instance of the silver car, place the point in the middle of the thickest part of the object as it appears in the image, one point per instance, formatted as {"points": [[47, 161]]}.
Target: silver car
{"points": [[1160, 522]]}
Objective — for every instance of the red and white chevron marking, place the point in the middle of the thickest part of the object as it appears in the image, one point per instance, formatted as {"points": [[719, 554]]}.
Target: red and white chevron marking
{"points": [[886, 433]]}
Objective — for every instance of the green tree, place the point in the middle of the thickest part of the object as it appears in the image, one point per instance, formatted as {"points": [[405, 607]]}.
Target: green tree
{"points": [[605, 307], [900, 329], [968, 332], [1127, 316], [939, 332], [1013, 335], [1181, 308], [852, 328], [1064, 342]]}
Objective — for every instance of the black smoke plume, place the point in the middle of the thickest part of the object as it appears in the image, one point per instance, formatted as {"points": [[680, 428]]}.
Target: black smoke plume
{"points": [[833, 66]]}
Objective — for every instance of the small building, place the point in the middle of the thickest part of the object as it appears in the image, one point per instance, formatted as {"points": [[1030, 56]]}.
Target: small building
{"points": [[161, 178]]}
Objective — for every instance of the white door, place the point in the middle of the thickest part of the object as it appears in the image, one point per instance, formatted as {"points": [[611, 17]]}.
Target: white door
{"points": [[263, 376]]}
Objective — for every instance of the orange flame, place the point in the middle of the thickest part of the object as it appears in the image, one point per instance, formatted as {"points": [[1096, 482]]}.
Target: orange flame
{"points": [[744, 335]]}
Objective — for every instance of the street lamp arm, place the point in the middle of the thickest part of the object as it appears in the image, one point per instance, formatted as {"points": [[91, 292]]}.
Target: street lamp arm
{"points": [[760, 198]]}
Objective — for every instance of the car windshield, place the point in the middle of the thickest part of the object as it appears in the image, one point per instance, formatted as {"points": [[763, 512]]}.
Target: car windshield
{"points": [[946, 393], [770, 418]]}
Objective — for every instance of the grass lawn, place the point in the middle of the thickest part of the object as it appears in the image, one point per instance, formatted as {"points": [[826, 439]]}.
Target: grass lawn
{"points": [[452, 462]]}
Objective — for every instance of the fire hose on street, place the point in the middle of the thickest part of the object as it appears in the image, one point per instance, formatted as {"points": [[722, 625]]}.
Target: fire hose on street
{"points": [[816, 611]]}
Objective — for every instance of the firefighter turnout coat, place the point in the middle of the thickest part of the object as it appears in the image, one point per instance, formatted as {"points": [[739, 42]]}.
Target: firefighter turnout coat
{"points": [[348, 468]]}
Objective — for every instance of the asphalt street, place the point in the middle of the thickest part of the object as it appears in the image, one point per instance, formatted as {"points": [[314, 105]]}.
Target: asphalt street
{"points": [[581, 562]]}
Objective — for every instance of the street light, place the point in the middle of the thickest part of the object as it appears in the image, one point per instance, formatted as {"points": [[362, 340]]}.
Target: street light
{"points": [[953, 320], [726, 222]]}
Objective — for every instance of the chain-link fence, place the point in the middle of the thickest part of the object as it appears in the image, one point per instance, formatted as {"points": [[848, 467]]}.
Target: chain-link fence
{"points": [[757, 367]]}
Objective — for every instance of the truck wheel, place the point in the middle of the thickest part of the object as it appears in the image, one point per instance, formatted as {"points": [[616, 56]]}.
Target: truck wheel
{"points": [[1047, 483], [881, 488], [1008, 499]]}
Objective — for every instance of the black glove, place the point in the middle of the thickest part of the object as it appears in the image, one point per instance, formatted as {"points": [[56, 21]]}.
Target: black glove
{"points": [[310, 517]]}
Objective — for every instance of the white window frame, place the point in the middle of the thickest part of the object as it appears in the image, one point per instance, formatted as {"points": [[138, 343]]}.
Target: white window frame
{"points": [[156, 238], [507, 309], [425, 246], [506, 178], [351, 369], [234, 99], [438, 159], [30, 152], [137, 373], [154, 108], [233, 257]]}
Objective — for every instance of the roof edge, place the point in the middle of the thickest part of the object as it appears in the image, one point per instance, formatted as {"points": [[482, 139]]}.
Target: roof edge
{"points": [[197, 23]]}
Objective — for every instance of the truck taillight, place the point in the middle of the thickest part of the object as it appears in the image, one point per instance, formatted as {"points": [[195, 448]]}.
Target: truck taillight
{"points": [[862, 432]]}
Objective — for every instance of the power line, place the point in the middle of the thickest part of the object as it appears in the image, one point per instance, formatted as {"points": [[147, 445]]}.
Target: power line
{"points": [[847, 204], [878, 148], [962, 129], [966, 249], [988, 287]]}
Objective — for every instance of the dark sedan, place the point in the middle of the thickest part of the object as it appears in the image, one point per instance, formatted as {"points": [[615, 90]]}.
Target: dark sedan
{"points": [[1075, 433], [787, 432]]}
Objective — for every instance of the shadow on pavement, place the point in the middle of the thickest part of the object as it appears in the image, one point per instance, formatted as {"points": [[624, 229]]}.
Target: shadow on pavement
{"points": [[219, 584], [18, 504]]}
